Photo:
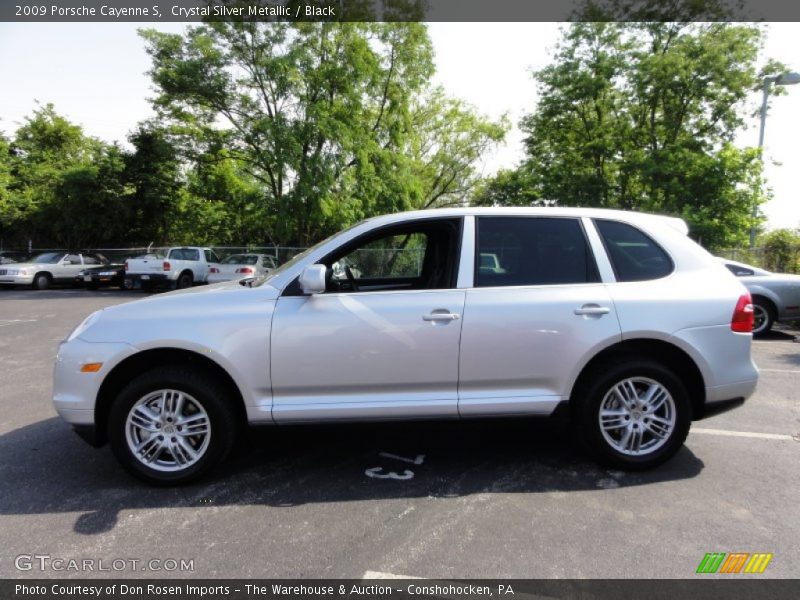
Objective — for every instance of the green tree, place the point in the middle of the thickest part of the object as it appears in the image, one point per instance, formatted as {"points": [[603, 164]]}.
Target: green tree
{"points": [[642, 116], [330, 119], [43, 149], [781, 250], [153, 173]]}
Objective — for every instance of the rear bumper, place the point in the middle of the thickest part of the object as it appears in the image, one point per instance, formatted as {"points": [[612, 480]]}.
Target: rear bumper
{"points": [[136, 280]]}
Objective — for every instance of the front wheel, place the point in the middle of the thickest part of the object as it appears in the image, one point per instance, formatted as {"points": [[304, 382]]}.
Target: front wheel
{"points": [[41, 281], [634, 415], [172, 425]]}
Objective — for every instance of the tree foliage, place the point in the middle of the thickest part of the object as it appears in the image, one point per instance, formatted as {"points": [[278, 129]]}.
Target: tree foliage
{"points": [[336, 121], [643, 116]]}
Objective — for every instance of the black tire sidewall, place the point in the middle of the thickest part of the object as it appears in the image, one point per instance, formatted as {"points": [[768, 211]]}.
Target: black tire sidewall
{"points": [[207, 391], [41, 281], [184, 281], [588, 406], [770, 317]]}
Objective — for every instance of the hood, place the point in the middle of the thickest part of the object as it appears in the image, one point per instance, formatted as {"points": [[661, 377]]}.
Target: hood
{"points": [[27, 265], [170, 313]]}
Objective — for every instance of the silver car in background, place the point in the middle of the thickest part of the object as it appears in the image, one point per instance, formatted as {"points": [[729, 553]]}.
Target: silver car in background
{"points": [[240, 266], [615, 319], [776, 296]]}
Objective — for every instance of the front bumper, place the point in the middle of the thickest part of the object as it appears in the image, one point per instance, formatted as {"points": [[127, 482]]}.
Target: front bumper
{"points": [[75, 392], [16, 279]]}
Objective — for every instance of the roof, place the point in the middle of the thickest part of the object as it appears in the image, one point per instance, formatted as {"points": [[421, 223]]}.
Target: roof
{"points": [[550, 211]]}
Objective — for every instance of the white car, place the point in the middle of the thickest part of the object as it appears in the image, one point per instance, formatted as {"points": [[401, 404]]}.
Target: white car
{"points": [[240, 266], [617, 319], [45, 269]]}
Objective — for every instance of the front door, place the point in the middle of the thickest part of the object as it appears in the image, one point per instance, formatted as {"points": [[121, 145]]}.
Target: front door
{"points": [[383, 340]]}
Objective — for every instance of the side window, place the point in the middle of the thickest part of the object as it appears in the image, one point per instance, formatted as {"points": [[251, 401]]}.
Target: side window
{"points": [[211, 257], [532, 251], [421, 255], [72, 259], [389, 257], [740, 271], [634, 255]]}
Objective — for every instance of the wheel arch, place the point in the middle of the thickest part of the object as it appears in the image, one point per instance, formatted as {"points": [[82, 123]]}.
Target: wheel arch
{"points": [[142, 361], [769, 301], [669, 354]]}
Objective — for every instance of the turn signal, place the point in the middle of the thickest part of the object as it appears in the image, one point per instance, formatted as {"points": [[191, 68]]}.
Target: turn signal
{"points": [[91, 367]]}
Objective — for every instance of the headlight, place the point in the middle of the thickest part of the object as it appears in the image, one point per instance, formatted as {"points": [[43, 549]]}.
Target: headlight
{"points": [[107, 273], [18, 272], [87, 322]]}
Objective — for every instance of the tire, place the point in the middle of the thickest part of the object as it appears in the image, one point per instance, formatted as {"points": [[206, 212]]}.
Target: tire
{"points": [[166, 455], [608, 444], [764, 317], [41, 281], [185, 280]]}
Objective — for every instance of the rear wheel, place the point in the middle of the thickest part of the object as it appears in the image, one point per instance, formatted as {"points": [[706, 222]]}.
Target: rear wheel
{"points": [[763, 316], [634, 415], [172, 425], [184, 281], [41, 281]]}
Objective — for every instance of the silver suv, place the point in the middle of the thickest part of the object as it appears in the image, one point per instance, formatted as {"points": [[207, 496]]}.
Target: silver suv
{"points": [[615, 318]]}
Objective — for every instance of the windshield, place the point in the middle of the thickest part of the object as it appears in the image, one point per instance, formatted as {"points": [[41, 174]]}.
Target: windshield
{"points": [[47, 257], [241, 259]]}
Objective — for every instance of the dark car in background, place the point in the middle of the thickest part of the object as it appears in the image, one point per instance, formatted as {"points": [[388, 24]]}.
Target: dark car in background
{"points": [[110, 275]]}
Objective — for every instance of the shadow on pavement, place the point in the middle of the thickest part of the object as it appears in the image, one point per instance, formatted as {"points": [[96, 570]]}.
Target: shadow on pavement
{"points": [[48, 469]]}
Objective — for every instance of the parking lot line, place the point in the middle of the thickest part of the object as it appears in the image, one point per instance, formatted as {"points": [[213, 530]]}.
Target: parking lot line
{"points": [[795, 371], [745, 434], [384, 575]]}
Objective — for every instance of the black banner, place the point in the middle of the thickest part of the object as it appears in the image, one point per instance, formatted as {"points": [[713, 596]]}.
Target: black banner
{"points": [[396, 10], [731, 588]]}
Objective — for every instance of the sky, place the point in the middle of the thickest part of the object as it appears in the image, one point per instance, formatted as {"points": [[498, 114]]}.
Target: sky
{"points": [[96, 75]]}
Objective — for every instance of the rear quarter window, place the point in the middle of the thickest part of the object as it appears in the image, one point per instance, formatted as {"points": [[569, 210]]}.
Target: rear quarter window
{"points": [[634, 255]]}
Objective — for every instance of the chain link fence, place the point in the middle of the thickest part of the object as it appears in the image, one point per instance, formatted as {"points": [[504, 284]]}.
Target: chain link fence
{"points": [[784, 260]]}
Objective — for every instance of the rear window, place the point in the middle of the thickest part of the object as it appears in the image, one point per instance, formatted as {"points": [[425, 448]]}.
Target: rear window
{"points": [[633, 254], [241, 259], [184, 254], [532, 251]]}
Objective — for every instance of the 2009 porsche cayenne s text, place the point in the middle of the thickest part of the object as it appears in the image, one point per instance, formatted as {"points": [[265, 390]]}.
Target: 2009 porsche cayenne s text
{"points": [[617, 319]]}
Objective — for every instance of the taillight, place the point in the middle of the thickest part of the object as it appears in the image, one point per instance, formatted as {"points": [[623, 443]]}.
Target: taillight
{"points": [[213, 270], [246, 270], [125, 266], [167, 266], [742, 320]]}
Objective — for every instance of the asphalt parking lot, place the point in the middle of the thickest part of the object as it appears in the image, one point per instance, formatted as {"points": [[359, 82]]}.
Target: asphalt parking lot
{"points": [[483, 499]]}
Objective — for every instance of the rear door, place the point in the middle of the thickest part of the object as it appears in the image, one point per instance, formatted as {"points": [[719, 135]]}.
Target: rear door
{"points": [[535, 314]]}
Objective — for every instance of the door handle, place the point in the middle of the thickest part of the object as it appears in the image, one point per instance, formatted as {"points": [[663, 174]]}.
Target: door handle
{"points": [[440, 316], [592, 309]]}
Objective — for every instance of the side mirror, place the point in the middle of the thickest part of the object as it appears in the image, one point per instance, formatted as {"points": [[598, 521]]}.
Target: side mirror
{"points": [[312, 279]]}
